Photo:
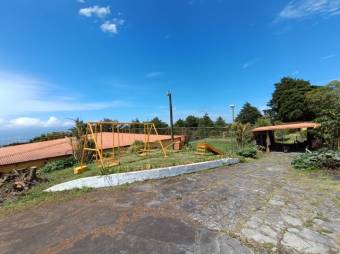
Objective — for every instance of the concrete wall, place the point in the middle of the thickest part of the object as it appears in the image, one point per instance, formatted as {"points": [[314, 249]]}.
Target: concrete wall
{"points": [[130, 177]]}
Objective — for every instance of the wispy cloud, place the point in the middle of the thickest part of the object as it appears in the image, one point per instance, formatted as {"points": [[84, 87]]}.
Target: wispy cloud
{"points": [[154, 74], [304, 8], [34, 95], [249, 63], [99, 11], [329, 56], [81, 1], [112, 26]]}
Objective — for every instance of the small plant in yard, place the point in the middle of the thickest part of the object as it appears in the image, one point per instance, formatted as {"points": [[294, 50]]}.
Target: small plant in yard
{"points": [[249, 152], [242, 133], [58, 165], [322, 159], [136, 147]]}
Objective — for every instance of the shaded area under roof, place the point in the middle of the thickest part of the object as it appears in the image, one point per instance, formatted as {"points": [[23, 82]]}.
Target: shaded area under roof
{"points": [[287, 126]]}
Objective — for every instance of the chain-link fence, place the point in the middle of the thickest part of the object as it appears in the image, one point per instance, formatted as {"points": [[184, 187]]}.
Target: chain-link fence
{"points": [[222, 139]]}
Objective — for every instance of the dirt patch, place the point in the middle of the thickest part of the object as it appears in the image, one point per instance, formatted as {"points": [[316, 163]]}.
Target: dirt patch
{"points": [[18, 183]]}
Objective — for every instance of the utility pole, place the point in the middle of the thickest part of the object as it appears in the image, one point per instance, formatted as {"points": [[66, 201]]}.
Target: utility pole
{"points": [[171, 117], [232, 106]]}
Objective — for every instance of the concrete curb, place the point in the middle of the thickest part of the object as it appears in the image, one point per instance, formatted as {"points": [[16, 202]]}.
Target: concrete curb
{"points": [[137, 176]]}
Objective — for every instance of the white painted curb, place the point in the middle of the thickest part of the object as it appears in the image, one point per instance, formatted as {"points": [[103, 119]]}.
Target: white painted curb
{"points": [[136, 176]]}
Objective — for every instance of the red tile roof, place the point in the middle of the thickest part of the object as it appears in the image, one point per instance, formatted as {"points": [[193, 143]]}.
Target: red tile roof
{"points": [[287, 126], [61, 147]]}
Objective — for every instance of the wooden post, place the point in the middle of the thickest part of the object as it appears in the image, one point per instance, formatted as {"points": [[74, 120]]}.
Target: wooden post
{"points": [[267, 142]]}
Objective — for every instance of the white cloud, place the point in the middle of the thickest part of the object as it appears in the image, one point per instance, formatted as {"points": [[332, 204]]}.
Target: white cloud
{"points": [[22, 94], [99, 11], [303, 8], [154, 74], [31, 122], [249, 63], [109, 27], [81, 1], [112, 26]]}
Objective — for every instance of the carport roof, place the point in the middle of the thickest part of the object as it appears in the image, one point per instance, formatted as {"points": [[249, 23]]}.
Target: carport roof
{"points": [[287, 126]]}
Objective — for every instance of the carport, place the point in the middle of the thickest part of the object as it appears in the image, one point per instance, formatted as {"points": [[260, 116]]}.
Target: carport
{"points": [[265, 136]]}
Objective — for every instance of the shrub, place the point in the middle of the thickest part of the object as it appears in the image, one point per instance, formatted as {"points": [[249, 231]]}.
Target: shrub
{"points": [[136, 146], [322, 159], [249, 152], [58, 165]]}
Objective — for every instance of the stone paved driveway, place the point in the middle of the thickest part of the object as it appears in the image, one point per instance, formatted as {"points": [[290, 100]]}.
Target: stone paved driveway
{"points": [[259, 207]]}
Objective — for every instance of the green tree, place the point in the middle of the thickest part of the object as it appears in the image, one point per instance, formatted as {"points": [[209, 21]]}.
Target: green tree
{"points": [[159, 123], [325, 103], [107, 127], [79, 128], [248, 114], [288, 102], [220, 122], [262, 121], [205, 121], [135, 120], [192, 121], [324, 97], [179, 123], [137, 127]]}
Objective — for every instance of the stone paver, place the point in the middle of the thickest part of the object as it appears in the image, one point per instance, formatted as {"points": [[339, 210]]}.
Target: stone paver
{"points": [[260, 207]]}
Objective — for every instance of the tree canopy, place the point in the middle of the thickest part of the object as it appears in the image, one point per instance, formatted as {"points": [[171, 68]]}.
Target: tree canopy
{"points": [[324, 97], [159, 123], [262, 121], [248, 114], [288, 102], [220, 122], [192, 121], [325, 103], [180, 123], [205, 121]]}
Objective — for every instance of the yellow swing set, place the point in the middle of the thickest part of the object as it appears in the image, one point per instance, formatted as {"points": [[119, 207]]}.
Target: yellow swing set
{"points": [[107, 153]]}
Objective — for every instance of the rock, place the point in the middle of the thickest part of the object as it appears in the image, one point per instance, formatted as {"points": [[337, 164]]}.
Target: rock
{"points": [[257, 236], [276, 202], [306, 241], [292, 221]]}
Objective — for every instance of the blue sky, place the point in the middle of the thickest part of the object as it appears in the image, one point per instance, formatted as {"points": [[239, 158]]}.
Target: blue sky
{"points": [[93, 59]]}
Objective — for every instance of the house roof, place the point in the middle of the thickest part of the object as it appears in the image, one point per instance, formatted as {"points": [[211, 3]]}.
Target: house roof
{"points": [[61, 147], [287, 126]]}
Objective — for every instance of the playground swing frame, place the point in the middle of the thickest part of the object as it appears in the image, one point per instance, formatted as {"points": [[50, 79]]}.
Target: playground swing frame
{"points": [[94, 132]]}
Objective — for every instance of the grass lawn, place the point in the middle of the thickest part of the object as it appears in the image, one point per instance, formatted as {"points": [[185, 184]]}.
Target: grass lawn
{"points": [[131, 162]]}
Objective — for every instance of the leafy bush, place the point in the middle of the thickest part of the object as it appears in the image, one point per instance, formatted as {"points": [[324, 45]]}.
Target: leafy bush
{"points": [[249, 152], [58, 165], [322, 159]]}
